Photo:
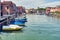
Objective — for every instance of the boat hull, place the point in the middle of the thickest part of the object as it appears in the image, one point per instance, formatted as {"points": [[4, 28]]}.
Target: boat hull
{"points": [[18, 22], [11, 29]]}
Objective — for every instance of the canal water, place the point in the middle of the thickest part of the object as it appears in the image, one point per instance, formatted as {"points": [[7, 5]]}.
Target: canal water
{"points": [[38, 27]]}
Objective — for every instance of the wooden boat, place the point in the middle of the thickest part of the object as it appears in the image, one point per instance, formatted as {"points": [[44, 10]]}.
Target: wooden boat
{"points": [[11, 28]]}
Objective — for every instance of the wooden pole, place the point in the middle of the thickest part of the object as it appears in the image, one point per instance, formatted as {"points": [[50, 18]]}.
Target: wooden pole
{"points": [[1, 27]]}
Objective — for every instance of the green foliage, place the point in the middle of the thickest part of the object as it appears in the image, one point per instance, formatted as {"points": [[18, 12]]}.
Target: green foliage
{"points": [[41, 8], [57, 12]]}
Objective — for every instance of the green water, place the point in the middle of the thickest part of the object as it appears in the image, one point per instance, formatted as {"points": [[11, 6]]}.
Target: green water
{"points": [[38, 27]]}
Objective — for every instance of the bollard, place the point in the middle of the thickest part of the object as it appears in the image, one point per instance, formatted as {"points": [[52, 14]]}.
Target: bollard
{"points": [[0, 28]]}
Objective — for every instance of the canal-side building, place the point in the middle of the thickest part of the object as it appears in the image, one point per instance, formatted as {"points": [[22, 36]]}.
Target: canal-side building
{"points": [[53, 9], [31, 11], [0, 9], [21, 10], [48, 10], [8, 8], [58, 8], [8, 12]]}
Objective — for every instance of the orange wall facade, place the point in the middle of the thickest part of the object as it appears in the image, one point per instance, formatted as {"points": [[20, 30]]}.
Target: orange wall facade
{"points": [[52, 9]]}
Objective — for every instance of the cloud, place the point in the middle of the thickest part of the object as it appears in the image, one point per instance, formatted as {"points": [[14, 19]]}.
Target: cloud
{"points": [[28, 3], [51, 4], [36, 3], [32, 3]]}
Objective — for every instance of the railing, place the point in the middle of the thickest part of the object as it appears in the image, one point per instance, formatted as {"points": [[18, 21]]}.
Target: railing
{"points": [[6, 19]]}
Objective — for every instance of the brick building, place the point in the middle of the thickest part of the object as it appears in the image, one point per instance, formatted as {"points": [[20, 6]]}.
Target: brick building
{"points": [[8, 8]]}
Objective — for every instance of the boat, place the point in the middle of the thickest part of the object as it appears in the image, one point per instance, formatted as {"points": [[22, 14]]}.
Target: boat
{"points": [[24, 19], [12, 28], [19, 21]]}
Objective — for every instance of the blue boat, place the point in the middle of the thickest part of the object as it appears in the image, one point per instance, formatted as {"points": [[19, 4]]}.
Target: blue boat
{"points": [[24, 19], [19, 21]]}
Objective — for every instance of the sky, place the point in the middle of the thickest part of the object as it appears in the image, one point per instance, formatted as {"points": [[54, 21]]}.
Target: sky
{"points": [[36, 3]]}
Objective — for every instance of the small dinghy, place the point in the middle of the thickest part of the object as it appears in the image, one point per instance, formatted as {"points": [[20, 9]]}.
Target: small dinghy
{"points": [[12, 28]]}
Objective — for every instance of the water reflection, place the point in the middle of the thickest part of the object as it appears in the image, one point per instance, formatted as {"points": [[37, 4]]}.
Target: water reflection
{"points": [[12, 31], [0, 38]]}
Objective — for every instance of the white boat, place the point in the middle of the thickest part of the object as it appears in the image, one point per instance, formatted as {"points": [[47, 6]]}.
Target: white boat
{"points": [[12, 28]]}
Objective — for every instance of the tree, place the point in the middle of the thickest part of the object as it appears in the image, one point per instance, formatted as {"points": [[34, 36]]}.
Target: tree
{"points": [[41, 8]]}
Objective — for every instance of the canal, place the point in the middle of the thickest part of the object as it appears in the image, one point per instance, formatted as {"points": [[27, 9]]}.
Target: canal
{"points": [[38, 27]]}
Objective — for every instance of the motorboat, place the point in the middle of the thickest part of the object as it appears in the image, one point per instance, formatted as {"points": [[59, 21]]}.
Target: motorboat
{"points": [[19, 21], [24, 19], [12, 28]]}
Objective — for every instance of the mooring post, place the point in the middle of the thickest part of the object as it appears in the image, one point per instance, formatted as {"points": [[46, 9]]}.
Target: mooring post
{"points": [[1, 27]]}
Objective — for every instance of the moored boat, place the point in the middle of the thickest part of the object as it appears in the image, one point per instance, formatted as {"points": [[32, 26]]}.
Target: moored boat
{"points": [[12, 28], [23, 19], [19, 21]]}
